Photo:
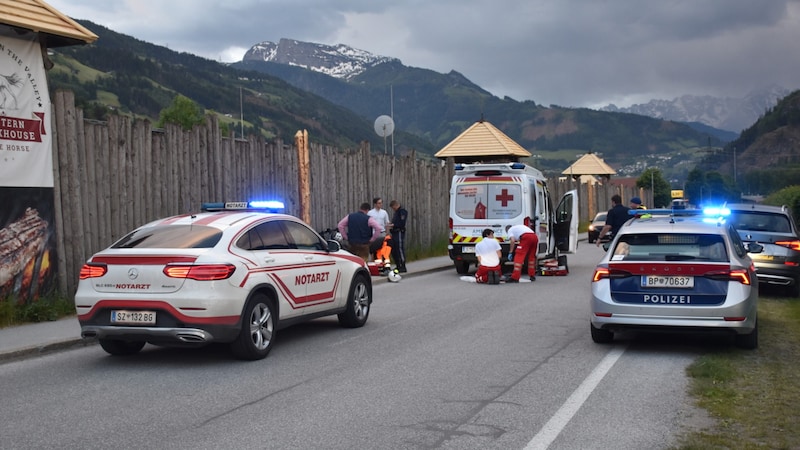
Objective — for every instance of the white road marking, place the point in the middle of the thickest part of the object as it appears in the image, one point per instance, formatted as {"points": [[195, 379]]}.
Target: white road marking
{"points": [[561, 418]]}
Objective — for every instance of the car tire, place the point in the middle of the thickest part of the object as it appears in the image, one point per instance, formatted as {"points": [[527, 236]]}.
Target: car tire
{"points": [[258, 332], [121, 348], [359, 301], [747, 341], [462, 267], [601, 336]]}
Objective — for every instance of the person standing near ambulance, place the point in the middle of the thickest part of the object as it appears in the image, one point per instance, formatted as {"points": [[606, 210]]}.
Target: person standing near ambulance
{"points": [[398, 229], [615, 219], [360, 229], [524, 246], [382, 217]]}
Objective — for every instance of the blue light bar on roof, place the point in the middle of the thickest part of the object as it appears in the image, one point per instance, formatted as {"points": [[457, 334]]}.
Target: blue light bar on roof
{"points": [[716, 211], [517, 165], [267, 204], [665, 212], [258, 205]]}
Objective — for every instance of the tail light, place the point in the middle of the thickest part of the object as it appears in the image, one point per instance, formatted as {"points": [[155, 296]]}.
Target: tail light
{"points": [[450, 225], [605, 272], [740, 275], [93, 270], [793, 244], [200, 272]]}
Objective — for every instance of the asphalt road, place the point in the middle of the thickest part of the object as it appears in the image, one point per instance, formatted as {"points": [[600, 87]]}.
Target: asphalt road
{"points": [[441, 363]]}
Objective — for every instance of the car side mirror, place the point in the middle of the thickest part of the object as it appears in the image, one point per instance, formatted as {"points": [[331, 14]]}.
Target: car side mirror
{"points": [[333, 246], [606, 245], [755, 247]]}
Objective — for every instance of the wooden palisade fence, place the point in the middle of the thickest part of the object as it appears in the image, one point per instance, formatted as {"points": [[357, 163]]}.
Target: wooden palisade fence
{"points": [[111, 177]]}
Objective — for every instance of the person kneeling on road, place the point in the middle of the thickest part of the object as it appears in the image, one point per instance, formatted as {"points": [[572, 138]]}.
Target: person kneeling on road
{"points": [[524, 245], [489, 253]]}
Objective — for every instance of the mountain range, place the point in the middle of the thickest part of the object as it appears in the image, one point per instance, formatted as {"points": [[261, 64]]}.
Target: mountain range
{"points": [[337, 92], [731, 114], [723, 117], [439, 106]]}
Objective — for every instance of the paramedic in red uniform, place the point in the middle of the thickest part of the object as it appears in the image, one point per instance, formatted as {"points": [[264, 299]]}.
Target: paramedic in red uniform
{"points": [[524, 246]]}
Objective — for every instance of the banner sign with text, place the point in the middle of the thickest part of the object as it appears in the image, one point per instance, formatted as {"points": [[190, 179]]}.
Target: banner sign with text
{"points": [[26, 158]]}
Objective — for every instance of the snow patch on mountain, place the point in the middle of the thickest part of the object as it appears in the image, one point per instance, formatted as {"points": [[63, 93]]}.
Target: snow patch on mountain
{"points": [[340, 61]]}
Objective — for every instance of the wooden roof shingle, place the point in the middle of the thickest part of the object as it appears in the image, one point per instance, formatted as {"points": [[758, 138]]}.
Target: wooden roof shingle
{"points": [[589, 164], [482, 140], [36, 15]]}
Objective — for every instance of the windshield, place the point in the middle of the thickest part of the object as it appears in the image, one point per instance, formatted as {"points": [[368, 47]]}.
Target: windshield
{"points": [[670, 247]]}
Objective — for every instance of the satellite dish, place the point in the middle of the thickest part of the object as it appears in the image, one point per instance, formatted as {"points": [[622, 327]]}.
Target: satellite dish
{"points": [[384, 126]]}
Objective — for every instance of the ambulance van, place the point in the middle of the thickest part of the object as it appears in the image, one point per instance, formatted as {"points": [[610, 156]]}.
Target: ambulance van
{"points": [[493, 195]]}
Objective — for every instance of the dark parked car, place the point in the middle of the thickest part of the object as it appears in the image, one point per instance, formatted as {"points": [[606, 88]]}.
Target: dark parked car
{"points": [[596, 225], [774, 228]]}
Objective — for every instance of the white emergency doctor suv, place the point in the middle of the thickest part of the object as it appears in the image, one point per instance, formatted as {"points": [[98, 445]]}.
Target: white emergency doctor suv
{"points": [[233, 274], [682, 270]]}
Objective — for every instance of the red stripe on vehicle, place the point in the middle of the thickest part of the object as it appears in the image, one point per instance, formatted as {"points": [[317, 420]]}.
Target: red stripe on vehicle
{"points": [[207, 220], [305, 301], [158, 260], [173, 219], [648, 268], [505, 179], [158, 306]]}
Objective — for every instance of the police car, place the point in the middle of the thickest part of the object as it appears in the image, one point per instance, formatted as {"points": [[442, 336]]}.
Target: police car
{"points": [[235, 273], [670, 270]]}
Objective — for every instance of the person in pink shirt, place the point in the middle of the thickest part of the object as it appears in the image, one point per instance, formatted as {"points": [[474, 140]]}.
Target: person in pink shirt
{"points": [[360, 229]]}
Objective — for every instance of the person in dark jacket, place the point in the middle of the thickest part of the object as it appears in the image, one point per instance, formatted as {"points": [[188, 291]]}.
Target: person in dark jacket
{"points": [[360, 229], [636, 203], [398, 230], [616, 217]]}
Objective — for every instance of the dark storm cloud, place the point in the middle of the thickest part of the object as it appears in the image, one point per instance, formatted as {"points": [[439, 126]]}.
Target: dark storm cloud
{"points": [[565, 52]]}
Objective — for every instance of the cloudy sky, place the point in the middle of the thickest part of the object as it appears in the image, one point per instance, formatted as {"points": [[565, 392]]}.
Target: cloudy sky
{"points": [[562, 52]]}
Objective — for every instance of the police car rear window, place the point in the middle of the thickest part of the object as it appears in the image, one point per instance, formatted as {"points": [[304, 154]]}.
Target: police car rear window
{"points": [[670, 247], [172, 236]]}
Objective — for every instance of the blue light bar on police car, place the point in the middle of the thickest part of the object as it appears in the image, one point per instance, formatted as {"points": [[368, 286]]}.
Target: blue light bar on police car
{"points": [[716, 211], [258, 205]]}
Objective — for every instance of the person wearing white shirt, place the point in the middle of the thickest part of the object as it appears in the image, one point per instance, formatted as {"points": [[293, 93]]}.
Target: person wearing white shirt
{"points": [[382, 217], [489, 253], [524, 246]]}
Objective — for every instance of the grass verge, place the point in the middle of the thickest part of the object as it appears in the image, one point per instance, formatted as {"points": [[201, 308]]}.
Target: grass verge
{"points": [[49, 307], [753, 395]]}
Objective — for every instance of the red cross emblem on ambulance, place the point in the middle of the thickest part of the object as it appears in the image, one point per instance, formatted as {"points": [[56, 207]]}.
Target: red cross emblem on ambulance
{"points": [[504, 197]]}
